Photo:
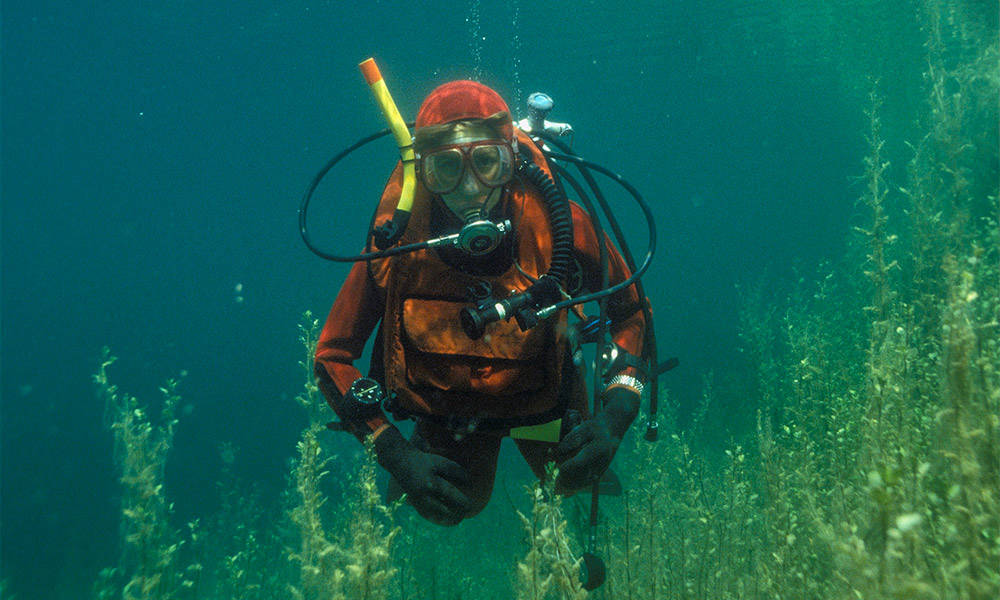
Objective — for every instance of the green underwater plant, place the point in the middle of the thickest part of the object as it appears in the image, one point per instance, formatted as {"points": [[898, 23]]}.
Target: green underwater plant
{"points": [[358, 565], [367, 555], [873, 471], [317, 557], [150, 565], [239, 545], [550, 569]]}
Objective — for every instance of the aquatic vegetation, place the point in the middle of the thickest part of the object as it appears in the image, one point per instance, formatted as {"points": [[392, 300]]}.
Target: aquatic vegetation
{"points": [[868, 465], [367, 555], [359, 565], [237, 542], [309, 398], [150, 566], [319, 573], [873, 470], [550, 569]]}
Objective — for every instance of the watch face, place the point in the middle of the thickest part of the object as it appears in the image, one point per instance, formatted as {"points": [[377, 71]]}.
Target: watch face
{"points": [[366, 391]]}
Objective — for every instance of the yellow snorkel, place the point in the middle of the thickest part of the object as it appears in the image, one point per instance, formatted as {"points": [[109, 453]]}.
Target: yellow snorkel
{"points": [[390, 232]]}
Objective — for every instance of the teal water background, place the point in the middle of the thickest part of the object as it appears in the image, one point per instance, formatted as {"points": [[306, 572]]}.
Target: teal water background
{"points": [[154, 155]]}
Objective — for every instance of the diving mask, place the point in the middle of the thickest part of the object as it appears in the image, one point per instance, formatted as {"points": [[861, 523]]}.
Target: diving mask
{"points": [[466, 164], [491, 162], [469, 177]]}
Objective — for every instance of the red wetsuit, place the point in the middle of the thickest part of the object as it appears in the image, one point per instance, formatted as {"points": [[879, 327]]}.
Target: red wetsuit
{"points": [[427, 359]]}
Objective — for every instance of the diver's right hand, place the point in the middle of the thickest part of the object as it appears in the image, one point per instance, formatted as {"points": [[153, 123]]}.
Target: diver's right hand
{"points": [[430, 481]]}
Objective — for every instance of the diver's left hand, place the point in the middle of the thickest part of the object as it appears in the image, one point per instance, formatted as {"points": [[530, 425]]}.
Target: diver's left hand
{"points": [[584, 454]]}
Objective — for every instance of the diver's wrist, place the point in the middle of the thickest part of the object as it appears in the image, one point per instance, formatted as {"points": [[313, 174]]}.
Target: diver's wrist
{"points": [[390, 447], [621, 407], [628, 382]]}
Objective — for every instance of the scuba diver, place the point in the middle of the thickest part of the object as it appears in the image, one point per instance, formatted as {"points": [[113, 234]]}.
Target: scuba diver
{"points": [[463, 346]]}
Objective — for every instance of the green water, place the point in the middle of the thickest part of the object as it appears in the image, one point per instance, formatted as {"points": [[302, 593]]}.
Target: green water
{"points": [[825, 183]]}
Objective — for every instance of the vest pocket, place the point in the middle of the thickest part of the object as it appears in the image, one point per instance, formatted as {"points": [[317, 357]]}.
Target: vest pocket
{"points": [[437, 353]]}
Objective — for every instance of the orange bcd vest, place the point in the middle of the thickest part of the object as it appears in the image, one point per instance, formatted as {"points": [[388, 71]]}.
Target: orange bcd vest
{"points": [[430, 363]]}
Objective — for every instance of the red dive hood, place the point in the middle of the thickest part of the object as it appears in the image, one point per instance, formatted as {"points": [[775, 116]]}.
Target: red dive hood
{"points": [[463, 99]]}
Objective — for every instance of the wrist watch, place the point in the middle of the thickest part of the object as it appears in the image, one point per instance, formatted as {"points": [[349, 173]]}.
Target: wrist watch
{"points": [[627, 381], [363, 400]]}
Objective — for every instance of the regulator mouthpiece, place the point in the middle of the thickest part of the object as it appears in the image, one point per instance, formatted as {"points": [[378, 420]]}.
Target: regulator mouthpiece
{"points": [[477, 237], [481, 236]]}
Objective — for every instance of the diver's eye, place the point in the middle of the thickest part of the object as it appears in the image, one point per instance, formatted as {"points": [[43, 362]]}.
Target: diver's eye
{"points": [[492, 163], [486, 160], [443, 168]]}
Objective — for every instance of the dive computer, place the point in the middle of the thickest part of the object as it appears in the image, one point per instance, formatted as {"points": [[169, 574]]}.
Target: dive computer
{"points": [[363, 400]]}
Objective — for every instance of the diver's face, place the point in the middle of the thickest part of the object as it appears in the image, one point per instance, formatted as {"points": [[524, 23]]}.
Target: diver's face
{"points": [[471, 198]]}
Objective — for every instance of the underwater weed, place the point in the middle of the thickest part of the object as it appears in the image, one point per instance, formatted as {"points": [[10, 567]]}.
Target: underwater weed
{"points": [[759, 345], [319, 574], [964, 504], [369, 570], [151, 545], [360, 567], [638, 543], [244, 552], [549, 565], [310, 398], [792, 562], [924, 522]]}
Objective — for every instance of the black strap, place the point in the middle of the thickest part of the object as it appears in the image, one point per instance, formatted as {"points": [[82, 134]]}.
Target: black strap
{"points": [[617, 359], [472, 423]]}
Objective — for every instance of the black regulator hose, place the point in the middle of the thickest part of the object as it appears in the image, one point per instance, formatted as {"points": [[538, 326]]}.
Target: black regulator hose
{"points": [[560, 221], [546, 290], [651, 349], [307, 197], [647, 213]]}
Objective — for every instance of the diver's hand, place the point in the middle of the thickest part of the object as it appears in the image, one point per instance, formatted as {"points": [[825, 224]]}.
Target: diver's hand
{"points": [[430, 481], [587, 450], [584, 454]]}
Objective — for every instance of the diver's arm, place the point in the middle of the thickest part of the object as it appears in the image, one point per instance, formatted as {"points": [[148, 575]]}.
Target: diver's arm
{"points": [[628, 325], [588, 449], [355, 313]]}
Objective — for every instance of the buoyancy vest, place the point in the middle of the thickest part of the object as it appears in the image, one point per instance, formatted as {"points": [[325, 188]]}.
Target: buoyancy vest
{"points": [[429, 362]]}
